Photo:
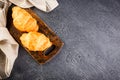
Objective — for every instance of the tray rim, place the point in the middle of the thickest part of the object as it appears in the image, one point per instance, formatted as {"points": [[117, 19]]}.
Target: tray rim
{"points": [[35, 15]]}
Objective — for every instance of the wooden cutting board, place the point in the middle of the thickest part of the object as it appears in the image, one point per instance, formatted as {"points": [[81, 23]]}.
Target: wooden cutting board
{"points": [[40, 57]]}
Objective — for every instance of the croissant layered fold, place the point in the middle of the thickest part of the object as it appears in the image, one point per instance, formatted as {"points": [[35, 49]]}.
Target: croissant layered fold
{"points": [[35, 41], [23, 21]]}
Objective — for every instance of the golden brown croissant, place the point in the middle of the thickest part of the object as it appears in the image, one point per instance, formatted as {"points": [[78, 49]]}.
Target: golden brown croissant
{"points": [[23, 21], [35, 41]]}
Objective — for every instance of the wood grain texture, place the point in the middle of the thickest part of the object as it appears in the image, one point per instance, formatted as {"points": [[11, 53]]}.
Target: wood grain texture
{"points": [[39, 56]]}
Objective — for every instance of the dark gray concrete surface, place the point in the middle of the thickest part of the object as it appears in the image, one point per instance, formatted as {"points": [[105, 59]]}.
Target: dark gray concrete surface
{"points": [[90, 30]]}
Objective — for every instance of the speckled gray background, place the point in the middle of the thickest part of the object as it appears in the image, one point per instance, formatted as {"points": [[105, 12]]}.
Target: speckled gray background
{"points": [[90, 30]]}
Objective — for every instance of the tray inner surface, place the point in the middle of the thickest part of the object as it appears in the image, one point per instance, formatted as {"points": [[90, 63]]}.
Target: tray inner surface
{"points": [[40, 57]]}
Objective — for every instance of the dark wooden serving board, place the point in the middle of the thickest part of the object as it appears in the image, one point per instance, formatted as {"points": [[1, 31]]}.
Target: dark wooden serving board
{"points": [[40, 57]]}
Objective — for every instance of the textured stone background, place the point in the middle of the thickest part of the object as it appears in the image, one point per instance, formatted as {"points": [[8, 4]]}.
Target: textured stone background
{"points": [[90, 30]]}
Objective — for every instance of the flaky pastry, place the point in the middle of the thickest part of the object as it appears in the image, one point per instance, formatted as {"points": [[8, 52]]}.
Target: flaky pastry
{"points": [[23, 21], [35, 41]]}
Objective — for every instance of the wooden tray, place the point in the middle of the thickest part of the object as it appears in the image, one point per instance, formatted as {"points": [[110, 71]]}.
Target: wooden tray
{"points": [[40, 57]]}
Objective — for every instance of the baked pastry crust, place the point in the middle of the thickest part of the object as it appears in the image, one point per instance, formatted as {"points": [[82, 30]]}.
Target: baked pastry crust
{"points": [[23, 21], [35, 41]]}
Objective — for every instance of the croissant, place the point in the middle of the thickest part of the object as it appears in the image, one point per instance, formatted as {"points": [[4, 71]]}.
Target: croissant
{"points": [[23, 21], [35, 41]]}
